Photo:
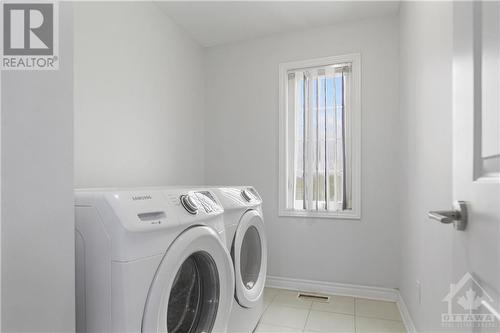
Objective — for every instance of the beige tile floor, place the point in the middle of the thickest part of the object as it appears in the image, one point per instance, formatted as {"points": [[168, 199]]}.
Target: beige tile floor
{"points": [[284, 312]]}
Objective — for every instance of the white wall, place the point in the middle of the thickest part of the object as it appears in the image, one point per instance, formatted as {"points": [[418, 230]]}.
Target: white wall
{"points": [[37, 194], [426, 105], [138, 98], [242, 148]]}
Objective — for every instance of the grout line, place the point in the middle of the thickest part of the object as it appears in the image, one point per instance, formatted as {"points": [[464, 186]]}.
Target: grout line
{"points": [[379, 318], [335, 312], [281, 326], [270, 302], [355, 315], [307, 318]]}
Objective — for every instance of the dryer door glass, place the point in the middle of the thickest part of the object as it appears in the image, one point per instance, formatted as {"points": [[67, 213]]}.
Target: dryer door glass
{"points": [[194, 297], [250, 257]]}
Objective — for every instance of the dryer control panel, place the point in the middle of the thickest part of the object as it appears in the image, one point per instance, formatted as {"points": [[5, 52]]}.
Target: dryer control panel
{"points": [[238, 197]]}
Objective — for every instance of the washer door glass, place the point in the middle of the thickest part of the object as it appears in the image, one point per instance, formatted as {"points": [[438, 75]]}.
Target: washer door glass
{"points": [[194, 297], [249, 252], [250, 257]]}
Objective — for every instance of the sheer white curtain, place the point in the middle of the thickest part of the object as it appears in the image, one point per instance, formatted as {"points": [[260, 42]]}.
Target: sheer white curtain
{"points": [[319, 157]]}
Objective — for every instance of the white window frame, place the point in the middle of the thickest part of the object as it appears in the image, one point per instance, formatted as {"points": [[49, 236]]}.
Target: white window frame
{"points": [[353, 126]]}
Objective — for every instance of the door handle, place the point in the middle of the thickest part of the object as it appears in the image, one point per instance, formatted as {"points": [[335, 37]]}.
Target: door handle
{"points": [[457, 216]]}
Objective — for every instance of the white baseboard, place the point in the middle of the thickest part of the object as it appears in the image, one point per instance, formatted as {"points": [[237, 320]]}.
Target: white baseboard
{"points": [[405, 315], [384, 294], [343, 289]]}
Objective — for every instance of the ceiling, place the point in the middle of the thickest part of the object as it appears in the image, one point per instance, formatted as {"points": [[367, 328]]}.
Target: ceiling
{"points": [[213, 23]]}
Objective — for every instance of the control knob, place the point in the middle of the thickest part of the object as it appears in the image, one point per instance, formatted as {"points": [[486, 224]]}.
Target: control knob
{"points": [[246, 195], [189, 204]]}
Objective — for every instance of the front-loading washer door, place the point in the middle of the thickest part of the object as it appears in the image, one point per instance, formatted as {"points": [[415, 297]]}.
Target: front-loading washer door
{"points": [[192, 288], [250, 259]]}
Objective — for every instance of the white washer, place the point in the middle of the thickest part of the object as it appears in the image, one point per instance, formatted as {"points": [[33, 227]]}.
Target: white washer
{"points": [[151, 260], [246, 239]]}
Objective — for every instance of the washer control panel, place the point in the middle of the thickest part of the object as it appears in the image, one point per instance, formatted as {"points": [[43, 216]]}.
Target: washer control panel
{"points": [[208, 202], [195, 201], [141, 210], [152, 209]]}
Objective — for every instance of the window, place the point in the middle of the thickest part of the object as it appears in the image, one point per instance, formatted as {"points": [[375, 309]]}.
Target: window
{"points": [[320, 137]]}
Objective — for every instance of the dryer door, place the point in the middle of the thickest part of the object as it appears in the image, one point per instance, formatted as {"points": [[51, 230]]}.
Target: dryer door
{"points": [[250, 259], [191, 291]]}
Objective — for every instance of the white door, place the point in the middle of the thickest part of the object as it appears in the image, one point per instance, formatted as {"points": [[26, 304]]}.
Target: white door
{"points": [[250, 259], [192, 289], [476, 160]]}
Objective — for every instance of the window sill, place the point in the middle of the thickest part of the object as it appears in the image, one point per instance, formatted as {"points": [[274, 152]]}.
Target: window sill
{"points": [[322, 215]]}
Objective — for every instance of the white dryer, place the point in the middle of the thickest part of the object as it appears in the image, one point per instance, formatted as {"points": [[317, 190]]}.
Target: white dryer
{"points": [[246, 239], [151, 260]]}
